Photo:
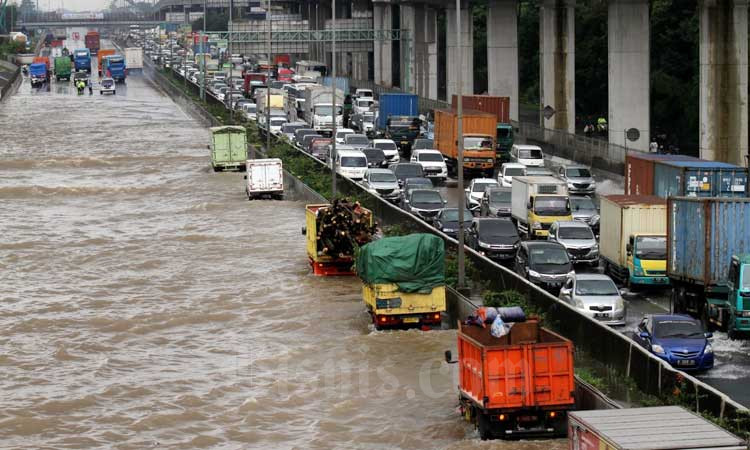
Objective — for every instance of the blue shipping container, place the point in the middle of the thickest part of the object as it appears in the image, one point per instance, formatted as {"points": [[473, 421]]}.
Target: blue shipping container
{"points": [[699, 179], [342, 83], [396, 105], [702, 236]]}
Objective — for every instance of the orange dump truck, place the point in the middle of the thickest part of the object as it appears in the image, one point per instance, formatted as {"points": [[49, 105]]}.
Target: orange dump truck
{"points": [[517, 385], [478, 138]]}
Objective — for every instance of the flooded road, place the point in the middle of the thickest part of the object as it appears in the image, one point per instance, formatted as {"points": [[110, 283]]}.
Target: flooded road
{"points": [[147, 303]]}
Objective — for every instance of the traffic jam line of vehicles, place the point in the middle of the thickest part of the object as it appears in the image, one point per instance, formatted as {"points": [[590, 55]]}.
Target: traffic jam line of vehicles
{"points": [[544, 224]]}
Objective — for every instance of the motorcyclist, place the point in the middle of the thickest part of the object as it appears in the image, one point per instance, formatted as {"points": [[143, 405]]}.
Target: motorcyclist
{"points": [[80, 85]]}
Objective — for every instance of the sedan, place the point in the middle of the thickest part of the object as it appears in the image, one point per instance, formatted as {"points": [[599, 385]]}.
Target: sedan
{"points": [[475, 191], [677, 339], [596, 296]]}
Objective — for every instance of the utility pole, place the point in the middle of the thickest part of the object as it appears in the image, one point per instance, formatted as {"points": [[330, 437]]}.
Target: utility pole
{"points": [[460, 133], [231, 66], [203, 50], [268, 79], [333, 100]]}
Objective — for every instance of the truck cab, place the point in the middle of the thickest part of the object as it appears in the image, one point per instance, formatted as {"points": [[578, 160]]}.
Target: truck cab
{"points": [[538, 202], [82, 60], [647, 259], [478, 153], [504, 139], [403, 130], [739, 295], [114, 67]]}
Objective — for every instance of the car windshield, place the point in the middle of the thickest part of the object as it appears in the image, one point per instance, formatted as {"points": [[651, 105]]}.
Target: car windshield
{"points": [[480, 187], [382, 177], [107, 83], [364, 103], [579, 173], [530, 154], [426, 197], [575, 233], [374, 154], [513, 171], [477, 142], [408, 170], [551, 206], [357, 140], [678, 329], [596, 287], [578, 203], [326, 110], [277, 121], [651, 248], [291, 128], [431, 157], [417, 183], [497, 196], [353, 161], [343, 134], [497, 228], [503, 133], [451, 215], [386, 145], [550, 256], [423, 143]]}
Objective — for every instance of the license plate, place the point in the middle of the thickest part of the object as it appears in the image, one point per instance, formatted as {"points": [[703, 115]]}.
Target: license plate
{"points": [[685, 362], [411, 319], [555, 284], [601, 315], [404, 142], [527, 418]]}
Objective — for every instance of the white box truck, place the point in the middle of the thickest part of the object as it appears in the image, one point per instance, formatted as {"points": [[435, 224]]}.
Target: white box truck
{"points": [[265, 178], [134, 59], [537, 202], [318, 106]]}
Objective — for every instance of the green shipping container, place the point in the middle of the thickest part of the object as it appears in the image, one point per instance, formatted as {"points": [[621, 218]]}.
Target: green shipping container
{"points": [[228, 148], [63, 68]]}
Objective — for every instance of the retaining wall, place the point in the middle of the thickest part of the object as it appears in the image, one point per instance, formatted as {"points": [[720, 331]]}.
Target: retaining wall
{"points": [[10, 79]]}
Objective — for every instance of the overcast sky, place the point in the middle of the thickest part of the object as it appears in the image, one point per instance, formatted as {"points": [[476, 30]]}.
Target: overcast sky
{"points": [[73, 5]]}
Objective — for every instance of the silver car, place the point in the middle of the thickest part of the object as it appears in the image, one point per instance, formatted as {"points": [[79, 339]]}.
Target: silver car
{"points": [[579, 179], [382, 182], [595, 295], [578, 240]]}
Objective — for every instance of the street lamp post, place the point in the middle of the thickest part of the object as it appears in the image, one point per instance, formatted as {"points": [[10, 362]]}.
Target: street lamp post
{"points": [[460, 133], [203, 51], [268, 80], [333, 100], [231, 66]]}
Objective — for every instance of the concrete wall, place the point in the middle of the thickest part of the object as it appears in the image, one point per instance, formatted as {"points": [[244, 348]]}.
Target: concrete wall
{"points": [[10, 79], [466, 62], [557, 62], [382, 20], [502, 51]]}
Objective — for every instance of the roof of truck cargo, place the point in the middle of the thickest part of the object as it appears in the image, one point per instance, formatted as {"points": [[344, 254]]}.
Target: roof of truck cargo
{"points": [[629, 200], [661, 156], [465, 112], [701, 164], [227, 128], [660, 427]]}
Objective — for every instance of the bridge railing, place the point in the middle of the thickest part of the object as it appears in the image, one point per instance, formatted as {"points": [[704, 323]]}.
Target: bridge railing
{"points": [[55, 17]]}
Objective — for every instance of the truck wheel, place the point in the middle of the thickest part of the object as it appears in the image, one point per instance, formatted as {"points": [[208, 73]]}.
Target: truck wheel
{"points": [[483, 425], [217, 169]]}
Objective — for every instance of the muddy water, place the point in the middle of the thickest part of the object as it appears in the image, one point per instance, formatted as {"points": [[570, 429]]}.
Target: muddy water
{"points": [[146, 302]]}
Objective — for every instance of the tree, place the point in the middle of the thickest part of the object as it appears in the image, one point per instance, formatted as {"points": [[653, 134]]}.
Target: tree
{"points": [[528, 51]]}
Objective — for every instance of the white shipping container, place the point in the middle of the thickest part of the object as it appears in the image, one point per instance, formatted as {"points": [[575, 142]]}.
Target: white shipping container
{"points": [[624, 215], [134, 58], [264, 177]]}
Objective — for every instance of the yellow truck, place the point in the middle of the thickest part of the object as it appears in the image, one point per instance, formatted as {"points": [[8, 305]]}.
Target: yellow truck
{"points": [[403, 280], [537, 202]]}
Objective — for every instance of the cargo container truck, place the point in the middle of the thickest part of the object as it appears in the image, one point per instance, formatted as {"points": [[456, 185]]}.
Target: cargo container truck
{"points": [[639, 170], [44, 60], [633, 239], [228, 148], [318, 108], [537, 202], [478, 137], [63, 68], [518, 385], [500, 107], [322, 263], [708, 260], [398, 119], [265, 177], [100, 58], [134, 58], [92, 42], [82, 60], [114, 67], [403, 280], [342, 83], [38, 74]]}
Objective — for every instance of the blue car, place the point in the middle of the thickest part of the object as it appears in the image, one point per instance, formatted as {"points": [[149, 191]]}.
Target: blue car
{"points": [[677, 339]]}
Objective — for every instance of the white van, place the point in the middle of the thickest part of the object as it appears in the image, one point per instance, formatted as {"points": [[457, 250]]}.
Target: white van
{"points": [[351, 163], [528, 155]]}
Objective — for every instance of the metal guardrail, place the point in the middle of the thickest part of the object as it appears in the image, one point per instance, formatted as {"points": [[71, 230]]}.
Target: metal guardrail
{"points": [[341, 35]]}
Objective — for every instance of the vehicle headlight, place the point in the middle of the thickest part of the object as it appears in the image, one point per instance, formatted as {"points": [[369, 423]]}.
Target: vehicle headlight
{"points": [[571, 273], [534, 274], [595, 219], [656, 348], [570, 184], [619, 304], [744, 314], [638, 271], [489, 160], [536, 225], [579, 303], [484, 244], [708, 350], [595, 248], [448, 230]]}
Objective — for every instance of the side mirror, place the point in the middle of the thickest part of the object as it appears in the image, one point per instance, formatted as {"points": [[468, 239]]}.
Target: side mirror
{"points": [[445, 202], [623, 291], [466, 190], [644, 334], [628, 248], [528, 205], [449, 357], [245, 177], [708, 335]]}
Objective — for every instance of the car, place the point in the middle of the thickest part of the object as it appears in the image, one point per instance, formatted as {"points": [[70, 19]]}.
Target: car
{"points": [[229, 101], [362, 105], [81, 76], [596, 296], [358, 141], [382, 182], [319, 148], [432, 163], [508, 171], [363, 93], [307, 139], [475, 191], [447, 221], [543, 263], [107, 86], [375, 157], [496, 202], [578, 177], [276, 123], [493, 237], [678, 339], [341, 133], [414, 183], [351, 163], [250, 110], [389, 148], [422, 144], [300, 134], [539, 172], [424, 203], [407, 170], [288, 129], [528, 155], [578, 240], [584, 210], [364, 123]]}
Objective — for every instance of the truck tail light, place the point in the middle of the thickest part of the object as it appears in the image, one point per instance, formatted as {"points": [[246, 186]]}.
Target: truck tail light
{"points": [[552, 414], [436, 316], [501, 417]]}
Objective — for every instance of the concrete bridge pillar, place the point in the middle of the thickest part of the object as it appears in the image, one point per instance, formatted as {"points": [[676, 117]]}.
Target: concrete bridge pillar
{"points": [[723, 80], [557, 65], [411, 45], [466, 63], [629, 72], [502, 51], [383, 50], [361, 59], [419, 51]]}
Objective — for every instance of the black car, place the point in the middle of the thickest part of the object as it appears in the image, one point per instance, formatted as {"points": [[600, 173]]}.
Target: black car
{"points": [[301, 133], [447, 221], [494, 238], [414, 183], [407, 170], [375, 157], [495, 203], [545, 264], [424, 203], [307, 139]]}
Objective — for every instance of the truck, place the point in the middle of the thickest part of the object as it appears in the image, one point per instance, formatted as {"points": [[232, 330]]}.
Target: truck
{"points": [[500, 107], [92, 41], [134, 58], [342, 83], [274, 101], [44, 60], [228, 148], [318, 108], [708, 260], [249, 78], [38, 74], [537, 202], [633, 239], [114, 67], [265, 177], [398, 119], [518, 385], [82, 60], [403, 280], [100, 57], [643, 428], [478, 139], [63, 68]]}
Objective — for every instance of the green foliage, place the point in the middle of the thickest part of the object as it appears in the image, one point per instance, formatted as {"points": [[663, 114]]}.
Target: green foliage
{"points": [[528, 51], [591, 59], [395, 230], [500, 299], [11, 48], [451, 269]]}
